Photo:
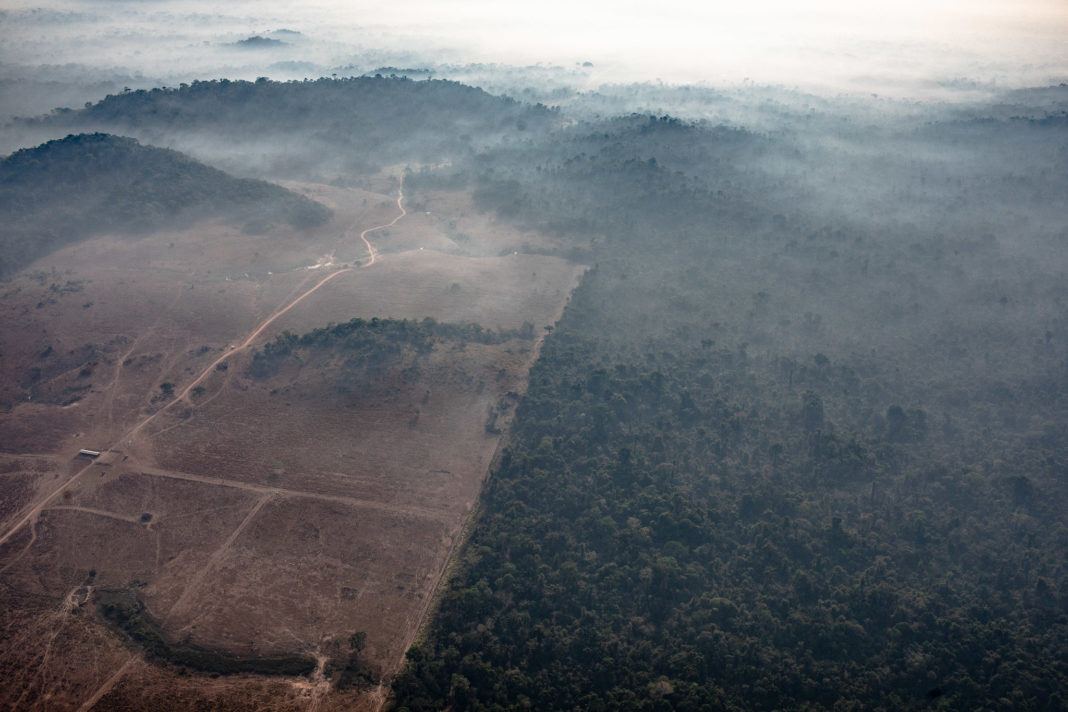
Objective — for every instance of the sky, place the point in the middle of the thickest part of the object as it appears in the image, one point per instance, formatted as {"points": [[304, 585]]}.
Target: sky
{"points": [[906, 48], [827, 42]]}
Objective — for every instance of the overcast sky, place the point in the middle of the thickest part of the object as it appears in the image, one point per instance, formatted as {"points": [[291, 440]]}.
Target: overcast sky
{"points": [[903, 47]]}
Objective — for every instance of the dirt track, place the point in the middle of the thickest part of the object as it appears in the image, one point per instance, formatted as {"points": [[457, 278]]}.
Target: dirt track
{"points": [[363, 235], [282, 492]]}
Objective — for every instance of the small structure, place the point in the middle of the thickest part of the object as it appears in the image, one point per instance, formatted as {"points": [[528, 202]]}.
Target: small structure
{"points": [[89, 453]]}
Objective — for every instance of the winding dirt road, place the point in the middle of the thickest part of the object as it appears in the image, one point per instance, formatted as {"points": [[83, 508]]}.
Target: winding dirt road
{"points": [[368, 231]]}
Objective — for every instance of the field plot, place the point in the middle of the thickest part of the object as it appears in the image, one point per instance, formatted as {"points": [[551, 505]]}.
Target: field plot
{"points": [[305, 514]]}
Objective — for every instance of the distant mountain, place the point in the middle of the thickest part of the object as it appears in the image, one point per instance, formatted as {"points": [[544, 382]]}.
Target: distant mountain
{"points": [[258, 41], [66, 190]]}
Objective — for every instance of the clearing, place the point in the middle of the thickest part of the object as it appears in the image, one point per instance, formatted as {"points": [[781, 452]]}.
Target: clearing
{"points": [[254, 516]]}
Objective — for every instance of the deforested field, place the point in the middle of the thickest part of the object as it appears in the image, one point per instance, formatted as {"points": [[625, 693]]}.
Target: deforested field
{"points": [[266, 517]]}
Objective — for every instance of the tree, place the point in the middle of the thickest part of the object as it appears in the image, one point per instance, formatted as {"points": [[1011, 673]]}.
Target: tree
{"points": [[811, 411]]}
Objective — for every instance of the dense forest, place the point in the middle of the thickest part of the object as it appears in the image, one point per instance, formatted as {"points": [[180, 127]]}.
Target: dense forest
{"points": [[683, 526], [369, 346], [799, 440], [326, 128], [68, 189]]}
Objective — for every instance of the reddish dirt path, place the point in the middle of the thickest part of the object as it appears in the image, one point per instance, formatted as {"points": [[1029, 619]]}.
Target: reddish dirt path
{"points": [[281, 311], [31, 516], [109, 403]]}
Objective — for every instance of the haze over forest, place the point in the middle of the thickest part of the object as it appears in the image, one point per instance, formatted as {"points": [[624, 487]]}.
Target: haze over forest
{"points": [[910, 50], [599, 356]]}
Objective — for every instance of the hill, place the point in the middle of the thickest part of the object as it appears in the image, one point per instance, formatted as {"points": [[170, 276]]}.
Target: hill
{"points": [[71, 188], [351, 124]]}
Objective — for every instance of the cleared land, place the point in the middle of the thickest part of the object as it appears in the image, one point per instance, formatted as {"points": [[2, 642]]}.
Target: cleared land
{"points": [[255, 516]]}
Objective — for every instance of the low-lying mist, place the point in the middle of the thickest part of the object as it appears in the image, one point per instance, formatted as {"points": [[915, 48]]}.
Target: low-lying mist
{"points": [[69, 50]]}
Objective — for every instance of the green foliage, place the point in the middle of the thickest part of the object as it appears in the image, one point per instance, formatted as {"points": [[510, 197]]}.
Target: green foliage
{"points": [[643, 545], [725, 489], [355, 671], [370, 343]]}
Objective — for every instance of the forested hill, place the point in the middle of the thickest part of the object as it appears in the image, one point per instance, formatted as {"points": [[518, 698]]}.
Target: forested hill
{"points": [[71, 188], [353, 123]]}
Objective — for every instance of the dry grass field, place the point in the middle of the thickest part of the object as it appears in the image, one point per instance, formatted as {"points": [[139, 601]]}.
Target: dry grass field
{"points": [[253, 516]]}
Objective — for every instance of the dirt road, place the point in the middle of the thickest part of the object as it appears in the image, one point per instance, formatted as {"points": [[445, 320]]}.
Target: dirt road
{"points": [[368, 231], [422, 512]]}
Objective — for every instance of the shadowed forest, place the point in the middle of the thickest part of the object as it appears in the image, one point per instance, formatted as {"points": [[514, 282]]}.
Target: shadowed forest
{"points": [[799, 440], [71, 188]]}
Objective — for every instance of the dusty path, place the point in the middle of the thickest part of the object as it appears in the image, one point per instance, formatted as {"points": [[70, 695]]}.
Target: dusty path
{"points": [[60, 619], [368, 231], [35, 510], [216, 557], [423, 512], [184, 395], [183, 600], [29, 545], [320, 686], [120, 363], [106, 687]]}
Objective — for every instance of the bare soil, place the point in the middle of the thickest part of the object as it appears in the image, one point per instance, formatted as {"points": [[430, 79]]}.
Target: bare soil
{"points": [[251, 516]]}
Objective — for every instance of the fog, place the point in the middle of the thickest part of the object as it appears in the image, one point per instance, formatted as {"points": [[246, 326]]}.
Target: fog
{"points": [[64, 52]]}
